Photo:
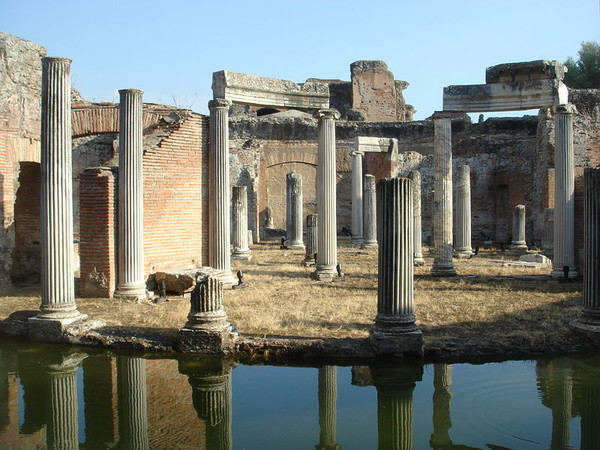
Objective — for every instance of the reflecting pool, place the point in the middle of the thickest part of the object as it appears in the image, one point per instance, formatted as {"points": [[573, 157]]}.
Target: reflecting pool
{"points": [[59, 397]]}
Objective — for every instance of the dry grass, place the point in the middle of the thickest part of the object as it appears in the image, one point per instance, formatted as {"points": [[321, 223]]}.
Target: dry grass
{"points": [[486, 299]]}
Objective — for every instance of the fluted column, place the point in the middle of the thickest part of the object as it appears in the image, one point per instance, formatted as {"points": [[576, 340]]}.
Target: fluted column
{"points": [[211, 396], [240, 223], [561, 404], [548, 238], [564, 192], [219, 205], [133, 415], [442, 196], [311, 239], [518, 229], [369, 212], [442, 422], [327, 408], [415, 176], [463, 213], [591, 246], [131, 283], [395, 311], [58, 296], [357, 196], [294, 211], [326, 196]]}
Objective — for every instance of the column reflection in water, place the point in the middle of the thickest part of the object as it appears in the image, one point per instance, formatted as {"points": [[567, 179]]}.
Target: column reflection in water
{"points": [[133, 411], [327, 408], [211, 395], [395, 384], [442, 422], [586, 373]]}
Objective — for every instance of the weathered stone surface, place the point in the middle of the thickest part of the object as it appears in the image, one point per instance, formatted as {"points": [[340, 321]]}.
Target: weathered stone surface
{"points": [[525, 71], [179, 281], [536, 258], [255, 90]]}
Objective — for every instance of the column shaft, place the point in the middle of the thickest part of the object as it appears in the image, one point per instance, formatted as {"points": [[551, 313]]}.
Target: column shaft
{"points": [[415, 176], [369, 212], [564, 193], [311, 239], [357, 197], [327, 407], [518, 229], [294, 211], [133, 403], [326, 196], [58, 296], [463, 213], [591, 274], [548, 240], [219, 252], [442, 197], [63, 429], [240, 223], [131, 283]]}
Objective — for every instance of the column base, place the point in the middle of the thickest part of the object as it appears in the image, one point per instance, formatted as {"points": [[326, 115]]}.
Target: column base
{"points": [[325, 273], [47, 329], [520, 246], [369, 244], [397, 341], [418, 260], [357, 240], [243, 255], [216, 342], [443, 271], [558, 272], [296, 246], [226, 277], [308, 261], [463, 253], [590, 330], [134, 292]]}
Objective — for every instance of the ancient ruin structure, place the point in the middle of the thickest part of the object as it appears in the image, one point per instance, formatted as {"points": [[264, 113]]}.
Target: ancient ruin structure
{"points": [[369, 212], [294, 211], [395, 331], [239, 238], [357, 196], [415, 176], [311, 239], [518, 230], [462, 245]]}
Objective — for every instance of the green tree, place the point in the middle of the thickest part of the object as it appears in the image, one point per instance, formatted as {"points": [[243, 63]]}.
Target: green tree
{"points": [[585, 72]]}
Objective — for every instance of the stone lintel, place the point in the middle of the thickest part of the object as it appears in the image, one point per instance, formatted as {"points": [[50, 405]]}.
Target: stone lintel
{"points": [[520, 95], [364, 144], [207, 342], [398, 342], [255, 90], [525, 71]]}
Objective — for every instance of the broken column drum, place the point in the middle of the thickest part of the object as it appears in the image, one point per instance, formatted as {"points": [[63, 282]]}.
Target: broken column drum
{"points": [[311, 238], [395, 331], [442, 196], [369, 212], [415, 176], [326, 196], [564, 192], [294, 211], [57, 277], [357, 196], [463, 247], [240, 223], [131, 283], [518, 230], [219, 252], [591, 274], [206, 305]]}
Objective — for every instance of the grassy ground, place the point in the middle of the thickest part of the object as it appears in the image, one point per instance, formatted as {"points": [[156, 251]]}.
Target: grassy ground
{"points": [[486, 301]]}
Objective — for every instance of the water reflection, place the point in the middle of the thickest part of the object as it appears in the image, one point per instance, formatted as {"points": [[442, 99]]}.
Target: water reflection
{"points": [[135, 403]]}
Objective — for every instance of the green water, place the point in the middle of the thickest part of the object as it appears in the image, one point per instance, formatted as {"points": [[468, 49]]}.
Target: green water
{"points": [[59, 397]]}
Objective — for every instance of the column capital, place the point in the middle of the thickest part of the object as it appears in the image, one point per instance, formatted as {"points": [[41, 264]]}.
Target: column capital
{"points": [[56, 60], [567, 108], [330, 113], [356, 152], [442, 115], [218, 103], [136, 92]]}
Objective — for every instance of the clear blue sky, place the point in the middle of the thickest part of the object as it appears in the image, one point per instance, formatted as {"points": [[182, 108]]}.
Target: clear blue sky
{"points": [[169, 49]]}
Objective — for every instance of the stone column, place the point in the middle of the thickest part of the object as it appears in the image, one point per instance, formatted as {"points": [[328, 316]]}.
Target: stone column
{"points": [[357, 196], [564, 192], [133, 415], [518, 229], [327, 408], [561, 404], [61, 410], [219, 252], [591, 248], [442, 196], [548, 239], [395, 330], [311, 239], [240, 223], [463, 213], [207, 329], [369, 212], [294, 211], [131, 284], [210, 379], [326, 196], [58, 296], [269, 217], [442, 422], [415, 176]]}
